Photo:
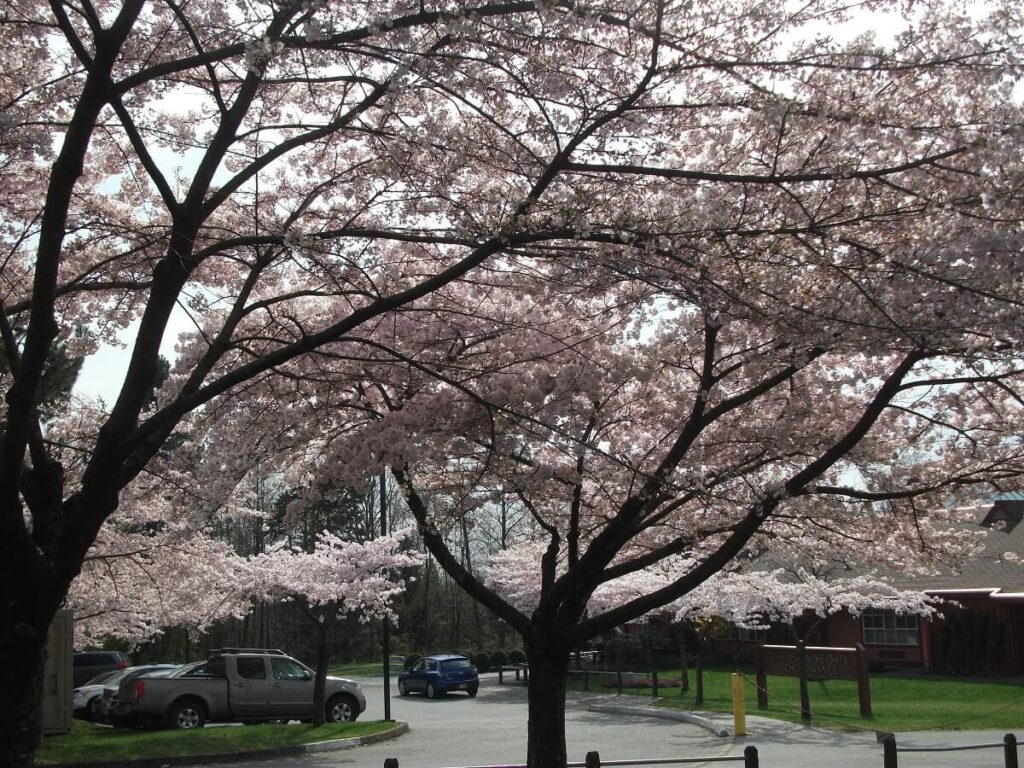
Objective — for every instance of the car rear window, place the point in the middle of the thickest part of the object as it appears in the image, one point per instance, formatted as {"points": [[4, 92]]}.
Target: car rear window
{"points": [[457, 664], [199, 669]]}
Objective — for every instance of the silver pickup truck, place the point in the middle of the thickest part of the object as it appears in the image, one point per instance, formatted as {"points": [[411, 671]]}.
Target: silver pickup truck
{"points": [[235, 684]]}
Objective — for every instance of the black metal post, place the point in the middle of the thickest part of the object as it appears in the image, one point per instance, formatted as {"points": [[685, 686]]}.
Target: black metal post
{"points": [[750, 758], [391, 762], [1010, 750], [805, 699], [593, 760], [618, 676], [386, 630], [889, 757]]}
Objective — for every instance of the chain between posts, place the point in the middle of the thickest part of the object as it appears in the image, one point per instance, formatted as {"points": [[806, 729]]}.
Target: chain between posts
{"points": [[890, 752], [749, 758]]}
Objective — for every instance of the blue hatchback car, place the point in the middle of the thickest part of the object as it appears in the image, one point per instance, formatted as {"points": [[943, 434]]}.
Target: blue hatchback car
{"points": [[436, 675]]}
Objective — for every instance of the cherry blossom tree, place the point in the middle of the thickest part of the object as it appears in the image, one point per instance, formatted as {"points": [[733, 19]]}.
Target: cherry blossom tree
{"points": [[747, 598], [133, 586], [757, 599], [336, 578], [673, 274], [152, 568]]}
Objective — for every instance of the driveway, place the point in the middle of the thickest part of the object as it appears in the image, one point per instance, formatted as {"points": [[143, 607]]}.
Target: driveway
{"points": [[490, 730]]}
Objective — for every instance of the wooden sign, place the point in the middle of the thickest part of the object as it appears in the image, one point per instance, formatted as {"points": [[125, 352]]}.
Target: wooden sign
{"points": [[819, 663]]}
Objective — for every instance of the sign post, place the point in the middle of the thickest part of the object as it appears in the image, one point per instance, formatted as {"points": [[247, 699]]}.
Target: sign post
{"points": [[817, 662]]}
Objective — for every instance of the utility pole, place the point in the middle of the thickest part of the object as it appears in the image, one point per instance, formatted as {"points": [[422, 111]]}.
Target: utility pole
{"points": [[386, 628]]}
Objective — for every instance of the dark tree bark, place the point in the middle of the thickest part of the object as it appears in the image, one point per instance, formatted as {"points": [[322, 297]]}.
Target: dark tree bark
{"points": [[684, 660], [21, 682], [698, 696], [323, 659], [549, 665]]}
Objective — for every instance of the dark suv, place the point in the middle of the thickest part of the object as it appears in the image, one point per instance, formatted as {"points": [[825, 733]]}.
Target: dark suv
{"points": [[89, 664], [436, 675]]}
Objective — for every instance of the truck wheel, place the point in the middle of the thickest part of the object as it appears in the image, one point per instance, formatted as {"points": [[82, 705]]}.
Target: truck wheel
{"points": [[341, 709], [186, 714]]}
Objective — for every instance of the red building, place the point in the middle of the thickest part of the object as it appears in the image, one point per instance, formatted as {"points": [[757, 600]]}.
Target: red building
{"points": [[981, 634]]}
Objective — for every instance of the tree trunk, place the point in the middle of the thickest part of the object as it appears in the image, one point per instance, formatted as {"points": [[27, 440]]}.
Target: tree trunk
{"points": [[20, 703], [698, 697], [23, 647], [546, 725], [684, 662], [323, 660]]}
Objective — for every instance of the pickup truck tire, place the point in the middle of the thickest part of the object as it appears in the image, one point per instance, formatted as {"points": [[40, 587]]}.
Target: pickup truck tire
{"points": [[186, 714], [341, 708]]}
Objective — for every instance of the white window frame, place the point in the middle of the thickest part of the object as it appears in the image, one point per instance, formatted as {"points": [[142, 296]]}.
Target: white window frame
{"points": [[890, 628]]}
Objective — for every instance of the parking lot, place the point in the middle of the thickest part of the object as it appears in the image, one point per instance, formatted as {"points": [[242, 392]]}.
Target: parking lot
{"points": [[490, 730]]}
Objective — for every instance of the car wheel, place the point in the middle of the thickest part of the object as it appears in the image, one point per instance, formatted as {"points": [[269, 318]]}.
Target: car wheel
{"points": [[471, 690], [92, 709], [341, 709], [432, 692], [403, 690], [187, 714]]}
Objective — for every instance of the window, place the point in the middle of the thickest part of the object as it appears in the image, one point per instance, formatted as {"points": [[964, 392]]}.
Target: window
{"points": [[751, 635], [251, 668], [887, 628], [288, 669]]}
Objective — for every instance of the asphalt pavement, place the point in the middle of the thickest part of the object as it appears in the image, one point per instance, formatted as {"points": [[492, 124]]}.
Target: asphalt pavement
{"points": [[490, 730]]}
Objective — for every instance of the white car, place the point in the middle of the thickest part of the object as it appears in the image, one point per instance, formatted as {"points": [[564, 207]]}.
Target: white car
{"points": [[87, 700]]}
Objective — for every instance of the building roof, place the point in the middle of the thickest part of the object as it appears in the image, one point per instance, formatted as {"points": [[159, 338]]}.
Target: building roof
{"points": [[997, 569]]}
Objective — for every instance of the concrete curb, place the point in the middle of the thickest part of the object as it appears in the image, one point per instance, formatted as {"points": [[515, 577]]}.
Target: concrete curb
{"points": [[665, 714], [373, 738], [238, 757]]}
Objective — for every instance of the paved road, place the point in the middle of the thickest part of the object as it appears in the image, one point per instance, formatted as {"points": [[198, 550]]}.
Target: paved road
{"points": [[491, 730]]}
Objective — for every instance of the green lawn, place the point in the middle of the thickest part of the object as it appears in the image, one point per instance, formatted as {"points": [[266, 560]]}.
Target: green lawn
{"points": [[898, 702], [88, 742]]}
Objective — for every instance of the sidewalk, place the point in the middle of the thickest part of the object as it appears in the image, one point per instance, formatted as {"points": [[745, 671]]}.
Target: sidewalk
{"points": [[794, 745]]}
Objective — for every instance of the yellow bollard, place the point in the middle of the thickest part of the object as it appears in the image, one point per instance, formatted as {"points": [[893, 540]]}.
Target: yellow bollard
{"points": [[739, 710]]}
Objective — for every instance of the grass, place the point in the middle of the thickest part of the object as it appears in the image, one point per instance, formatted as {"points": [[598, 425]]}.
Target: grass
{"points": [[89, 742], [898, 702]]}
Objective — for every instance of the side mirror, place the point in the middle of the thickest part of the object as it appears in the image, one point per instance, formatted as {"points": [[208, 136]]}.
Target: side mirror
{"points": [[306, 675]]}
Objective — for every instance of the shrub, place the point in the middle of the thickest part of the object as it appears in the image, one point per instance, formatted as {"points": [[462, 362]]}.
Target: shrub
{"points": [[468, 655], [516, 656], [499, 658], [482, 661]]}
